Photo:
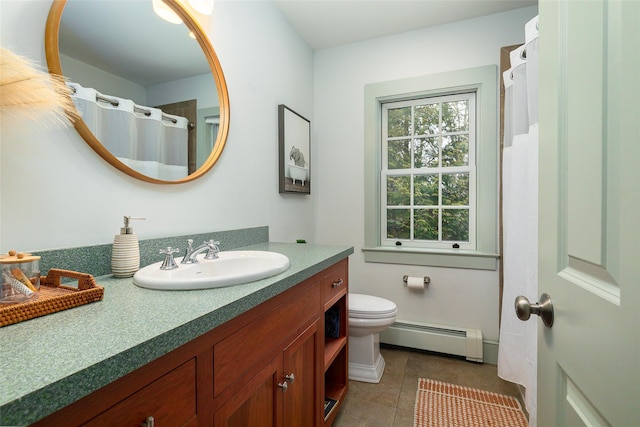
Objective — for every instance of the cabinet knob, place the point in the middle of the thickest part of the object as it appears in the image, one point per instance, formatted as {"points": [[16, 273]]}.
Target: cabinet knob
{"points": [[283, 386], [337, 283], [290, 378], [149, 422]]}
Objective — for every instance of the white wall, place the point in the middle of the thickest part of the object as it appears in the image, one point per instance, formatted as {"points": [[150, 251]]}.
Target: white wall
{"points": [[201, 88], [455, 297], [102, 81], [56, 192]]}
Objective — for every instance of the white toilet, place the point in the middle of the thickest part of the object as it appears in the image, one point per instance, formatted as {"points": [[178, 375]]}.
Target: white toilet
{"points": [[368, 316]]}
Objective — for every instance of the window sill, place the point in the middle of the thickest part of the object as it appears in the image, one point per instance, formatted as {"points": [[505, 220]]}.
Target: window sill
{"points": [[455, 258]]}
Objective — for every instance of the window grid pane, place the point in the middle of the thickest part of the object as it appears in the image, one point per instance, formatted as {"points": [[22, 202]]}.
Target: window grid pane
{"points": [[399, 154], [426, 190], [398, 223], [426, 152], [455, 150], [426, 224], [455, 225], [455, 116], [399, 190], [399, 122], [455, 189]]}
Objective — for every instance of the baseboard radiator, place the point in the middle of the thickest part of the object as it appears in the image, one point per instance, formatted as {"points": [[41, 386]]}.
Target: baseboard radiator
{"points": [[438, 338]]}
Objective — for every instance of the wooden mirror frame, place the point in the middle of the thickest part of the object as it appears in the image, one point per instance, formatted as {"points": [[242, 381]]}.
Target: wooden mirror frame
{"points": [[51, 41]]}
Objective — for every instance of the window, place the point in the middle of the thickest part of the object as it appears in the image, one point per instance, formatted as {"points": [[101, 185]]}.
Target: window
{"points": [[431, 170], [428, 172], [208, 125]]}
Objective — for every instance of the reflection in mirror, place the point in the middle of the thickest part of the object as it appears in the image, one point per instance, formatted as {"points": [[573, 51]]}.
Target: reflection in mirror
{"points": [[151, 93]]}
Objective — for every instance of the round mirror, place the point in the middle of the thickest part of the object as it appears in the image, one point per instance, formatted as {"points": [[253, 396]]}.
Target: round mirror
{"points": [[151, 94]]}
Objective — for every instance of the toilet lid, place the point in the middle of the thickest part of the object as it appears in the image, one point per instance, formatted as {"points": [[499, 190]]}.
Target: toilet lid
{"points": [[370, 307]]}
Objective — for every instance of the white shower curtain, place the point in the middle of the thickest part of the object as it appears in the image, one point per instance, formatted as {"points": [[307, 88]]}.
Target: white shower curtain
{"points": [[144, 138], [517, 354]]}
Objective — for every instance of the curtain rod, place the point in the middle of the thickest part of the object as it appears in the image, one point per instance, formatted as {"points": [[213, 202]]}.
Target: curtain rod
{"points": [[114, 102]]}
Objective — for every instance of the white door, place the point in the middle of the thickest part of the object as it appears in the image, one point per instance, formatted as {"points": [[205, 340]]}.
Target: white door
{"points": [[589, 224]]}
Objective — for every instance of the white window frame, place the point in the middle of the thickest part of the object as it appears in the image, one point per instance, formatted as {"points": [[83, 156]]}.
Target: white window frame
{"points": [[470, 169], [483, 253]]}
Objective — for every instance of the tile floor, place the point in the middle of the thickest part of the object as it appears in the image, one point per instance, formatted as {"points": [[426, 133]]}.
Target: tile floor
{"points": [[391, 402]]}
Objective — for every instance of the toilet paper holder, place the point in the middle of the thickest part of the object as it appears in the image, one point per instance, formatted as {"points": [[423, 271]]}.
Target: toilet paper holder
{"points": [[426, 279]]}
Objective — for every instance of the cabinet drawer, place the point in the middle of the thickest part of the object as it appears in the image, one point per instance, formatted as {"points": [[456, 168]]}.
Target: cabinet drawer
{"points": [[170, 400], [335, 283], [234, 355]]}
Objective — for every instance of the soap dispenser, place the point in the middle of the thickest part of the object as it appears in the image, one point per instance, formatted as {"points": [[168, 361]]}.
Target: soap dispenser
{"points": [[125, 254]]}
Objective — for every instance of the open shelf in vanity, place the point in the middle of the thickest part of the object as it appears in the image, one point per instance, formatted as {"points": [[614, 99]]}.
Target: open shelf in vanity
{"points": [[336, 377]]}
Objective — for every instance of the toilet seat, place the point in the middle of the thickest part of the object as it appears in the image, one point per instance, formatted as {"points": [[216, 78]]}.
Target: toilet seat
{"points": [[370, 307]]}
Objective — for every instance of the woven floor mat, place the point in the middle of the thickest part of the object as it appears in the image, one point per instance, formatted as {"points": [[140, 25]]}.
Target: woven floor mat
{"points": [[440, 404]]}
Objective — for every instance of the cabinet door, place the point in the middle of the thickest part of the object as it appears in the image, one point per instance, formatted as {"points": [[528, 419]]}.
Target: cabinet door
{"points": [[300, 367], [258, 403]]}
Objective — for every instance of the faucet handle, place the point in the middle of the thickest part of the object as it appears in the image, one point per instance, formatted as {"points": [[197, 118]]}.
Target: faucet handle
{"points": [[212, 253], [169, 263], [169, 250]]}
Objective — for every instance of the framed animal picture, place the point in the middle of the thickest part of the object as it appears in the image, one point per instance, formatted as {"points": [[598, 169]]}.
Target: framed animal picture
{"points": [[294, 134]]}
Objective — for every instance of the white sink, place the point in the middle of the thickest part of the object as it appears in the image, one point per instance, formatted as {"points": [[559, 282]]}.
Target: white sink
{"points": [[231, 268]]}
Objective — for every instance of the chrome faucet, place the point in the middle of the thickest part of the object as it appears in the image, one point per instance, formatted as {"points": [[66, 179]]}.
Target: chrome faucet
{"points": [[211, 246]]}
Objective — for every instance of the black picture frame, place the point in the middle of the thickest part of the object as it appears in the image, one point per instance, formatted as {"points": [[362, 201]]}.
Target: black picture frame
{"points": [[294, 141]]}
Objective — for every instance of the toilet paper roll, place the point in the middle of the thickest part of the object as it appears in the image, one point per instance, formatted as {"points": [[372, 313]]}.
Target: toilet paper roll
{"points": [[415, 282]]}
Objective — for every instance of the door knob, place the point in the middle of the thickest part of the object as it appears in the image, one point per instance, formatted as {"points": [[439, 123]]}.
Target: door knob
{"points": [[544, 309]]}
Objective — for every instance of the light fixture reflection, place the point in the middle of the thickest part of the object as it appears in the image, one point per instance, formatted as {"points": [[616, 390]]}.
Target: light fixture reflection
{"points": [[204, 7], [165, 12]]}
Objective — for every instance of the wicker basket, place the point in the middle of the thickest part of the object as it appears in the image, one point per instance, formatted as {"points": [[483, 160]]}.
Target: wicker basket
{"points": [[53, 297]]}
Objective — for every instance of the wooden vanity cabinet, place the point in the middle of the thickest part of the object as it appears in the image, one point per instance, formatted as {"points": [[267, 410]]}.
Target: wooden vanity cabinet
{"points": [[270, 366]]}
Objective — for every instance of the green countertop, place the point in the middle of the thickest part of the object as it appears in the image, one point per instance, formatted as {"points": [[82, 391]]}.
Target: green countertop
{"points": [[50, 362]]}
